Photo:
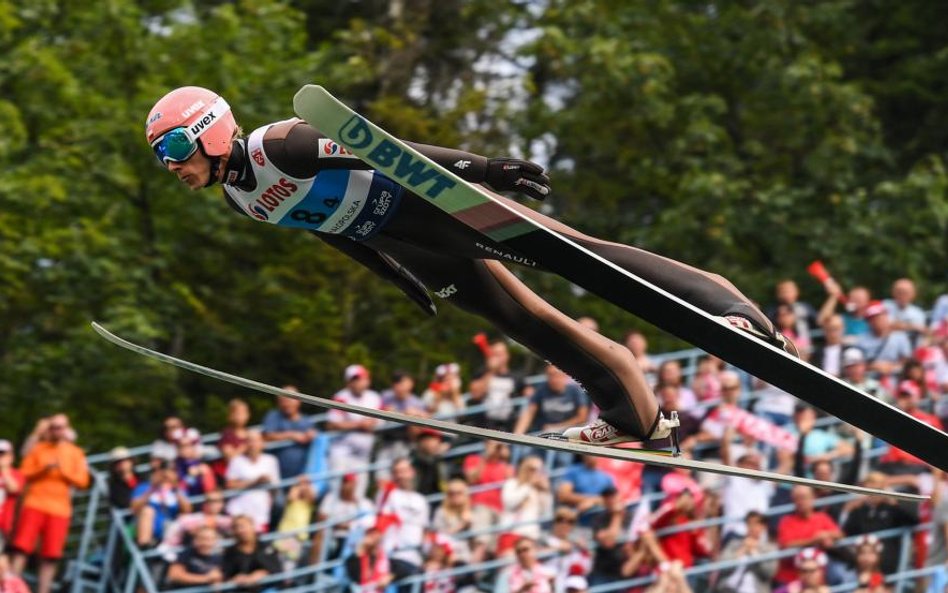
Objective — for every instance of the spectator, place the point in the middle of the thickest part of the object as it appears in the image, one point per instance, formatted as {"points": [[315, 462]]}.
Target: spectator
{"points": [[805, 526], [51, 469], [869, 574], [685, 546], [297, 516], [233, 441], [669, 374], [557, 404], [195, 476], [428, 463], [11, 487], [609, 529], [637, 344], [774, 404], [476, 397], [396, 442], [809, 572], [718, 418], [526, 499], [368, 567], [829, 355], [563, 540], [818, 444], [937, 554], [575, 583], [627, 477], [787, 293], [854, 322], [200, 564], [885, 348], [502, 387], [582, 487], [905, 315], [165, 447], [352, 448], [490, 469], [10, 582], [156, 503], [287, 424], [439, 556], [669, 398], [122, 478], [458, 515], [749, 575], [913, 371], [346, 507], [443, 396], [252, 473], [874, 512], [785, 321], [403, 517], [741, 497], [854, 373], [939, 312], [706, 384], [897, 461], [248, 560], [527, 575], [40, 432], [182, 530], [642, 557]]}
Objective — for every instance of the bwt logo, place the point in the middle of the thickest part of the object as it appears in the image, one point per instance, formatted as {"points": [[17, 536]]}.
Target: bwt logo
{"points": [[394, 161]]}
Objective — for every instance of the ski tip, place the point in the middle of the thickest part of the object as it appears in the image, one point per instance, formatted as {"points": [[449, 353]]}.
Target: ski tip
{"points": [[301, 95]]}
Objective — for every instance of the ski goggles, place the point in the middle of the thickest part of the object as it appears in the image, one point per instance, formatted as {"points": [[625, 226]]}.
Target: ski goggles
{"points": [[179, 144]]}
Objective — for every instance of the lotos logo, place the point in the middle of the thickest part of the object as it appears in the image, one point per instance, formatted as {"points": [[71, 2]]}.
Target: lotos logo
{"points": [[257, 155], [393, 160], [332, 148], [257, 212], [274, 195], [192, 109], [204, 122]]}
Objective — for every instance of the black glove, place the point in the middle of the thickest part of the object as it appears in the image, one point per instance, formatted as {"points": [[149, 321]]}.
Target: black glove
{"points": [[508, 174]]}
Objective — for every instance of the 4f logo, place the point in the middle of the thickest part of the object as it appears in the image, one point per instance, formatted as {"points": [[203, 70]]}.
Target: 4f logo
{"points": [[447, 291], [462, 164]]}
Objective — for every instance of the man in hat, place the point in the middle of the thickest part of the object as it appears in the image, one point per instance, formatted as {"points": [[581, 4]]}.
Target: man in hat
{"points": [[855, 373], [352, 449], [885, 348], [428, 462]]}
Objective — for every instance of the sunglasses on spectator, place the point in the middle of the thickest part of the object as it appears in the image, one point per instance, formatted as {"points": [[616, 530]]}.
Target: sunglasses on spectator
{"points": [[524, 550], [564, 520], [452, 492], [730, 387]]}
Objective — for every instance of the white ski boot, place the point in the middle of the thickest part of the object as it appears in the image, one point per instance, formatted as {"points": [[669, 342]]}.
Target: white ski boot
{"points": [[601, 432]]}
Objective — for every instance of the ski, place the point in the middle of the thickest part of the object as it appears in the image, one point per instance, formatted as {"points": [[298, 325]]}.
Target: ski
{"points": [[478, 209], [497, 435]]}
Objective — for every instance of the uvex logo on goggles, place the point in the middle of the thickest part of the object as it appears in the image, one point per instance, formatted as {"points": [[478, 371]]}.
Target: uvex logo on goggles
{"points": [[179, 144]]}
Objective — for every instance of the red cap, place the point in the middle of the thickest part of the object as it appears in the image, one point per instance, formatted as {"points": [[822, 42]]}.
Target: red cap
{"points": [[875, 308], [430, 432], [354, 371], [350, 478], [910, 387]]}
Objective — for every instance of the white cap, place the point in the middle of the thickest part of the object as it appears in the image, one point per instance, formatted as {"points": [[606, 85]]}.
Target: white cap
{"points": [[355, 370], [853, 355], [576, 581]]}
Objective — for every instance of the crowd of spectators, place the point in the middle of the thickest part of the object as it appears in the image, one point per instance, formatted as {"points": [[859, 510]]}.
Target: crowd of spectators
{"points": [[402, 503]]}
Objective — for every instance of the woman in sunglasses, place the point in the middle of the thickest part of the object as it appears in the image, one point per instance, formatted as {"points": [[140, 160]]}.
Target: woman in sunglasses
{"points": [[289, 174]]}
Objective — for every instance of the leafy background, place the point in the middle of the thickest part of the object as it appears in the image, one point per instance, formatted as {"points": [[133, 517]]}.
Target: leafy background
{"points": [[748, 138]]}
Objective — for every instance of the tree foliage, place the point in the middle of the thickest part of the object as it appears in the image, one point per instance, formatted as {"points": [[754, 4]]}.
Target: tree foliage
{"points": [[745, 137]]}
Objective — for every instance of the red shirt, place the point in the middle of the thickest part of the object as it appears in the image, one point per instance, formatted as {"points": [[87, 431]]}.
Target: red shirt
{"points": [[685, 546], [493, 472], [895, 455], [9, 503], [794, 528]]}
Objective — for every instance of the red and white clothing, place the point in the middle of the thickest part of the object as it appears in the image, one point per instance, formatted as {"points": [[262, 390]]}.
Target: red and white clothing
{"points": [[794, 528], [403, 518], [369, 572], [685, 546], [352, 449], [524, 503], [539, 578]]}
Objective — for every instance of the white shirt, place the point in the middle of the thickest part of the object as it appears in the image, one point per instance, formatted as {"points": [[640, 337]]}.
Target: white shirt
{"points": [[523, 502], [254, 502], [403, 540], [832, 357], [740, 496], [354, 443], [334, 508]]}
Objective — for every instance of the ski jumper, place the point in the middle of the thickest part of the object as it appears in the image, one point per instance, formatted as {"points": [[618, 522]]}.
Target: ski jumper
{"points": [[289, 174]]}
